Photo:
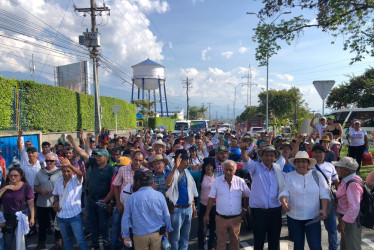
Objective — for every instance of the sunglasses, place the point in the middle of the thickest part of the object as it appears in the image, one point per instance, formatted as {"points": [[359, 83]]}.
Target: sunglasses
{"points": [[49, 161], [13, 175], [28, 145]]}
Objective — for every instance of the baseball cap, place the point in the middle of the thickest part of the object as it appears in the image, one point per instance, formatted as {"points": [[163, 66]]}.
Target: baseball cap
{"points": [[346, 162], [318, 147], [221, 148], [102, 152]]}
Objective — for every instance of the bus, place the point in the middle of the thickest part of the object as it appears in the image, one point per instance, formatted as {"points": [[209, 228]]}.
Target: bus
{"points": [[199, 125], [248, 124]]}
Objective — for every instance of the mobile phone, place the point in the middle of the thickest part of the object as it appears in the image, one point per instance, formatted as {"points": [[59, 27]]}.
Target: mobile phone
{"points": [[100, 203]]}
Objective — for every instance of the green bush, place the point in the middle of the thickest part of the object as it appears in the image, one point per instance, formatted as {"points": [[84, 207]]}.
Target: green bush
{"points": [[6, 101], [154, 122], [56, 109]]}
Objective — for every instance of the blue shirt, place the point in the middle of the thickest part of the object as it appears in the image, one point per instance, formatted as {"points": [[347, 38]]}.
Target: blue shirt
{"points": [[288, 168], [160, 181], [264, 191], [145, 212]]}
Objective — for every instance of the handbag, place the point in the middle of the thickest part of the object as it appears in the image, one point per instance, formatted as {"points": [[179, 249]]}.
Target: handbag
{"points": [[11, 221], [170, 204], [333, 200]]}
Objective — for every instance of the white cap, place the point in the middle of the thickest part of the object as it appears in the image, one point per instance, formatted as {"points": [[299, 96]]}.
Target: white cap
{"points": [[160, 135]]}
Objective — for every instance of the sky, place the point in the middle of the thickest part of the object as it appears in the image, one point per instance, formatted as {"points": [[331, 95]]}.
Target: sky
{"points": [[208, 41]]}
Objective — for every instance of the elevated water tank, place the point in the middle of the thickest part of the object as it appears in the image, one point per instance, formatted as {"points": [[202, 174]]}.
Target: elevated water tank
{"points": [[150, 73]]}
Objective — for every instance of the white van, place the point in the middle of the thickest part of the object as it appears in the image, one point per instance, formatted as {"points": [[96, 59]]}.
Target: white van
{"points": [[178, 126], [347, 116]]}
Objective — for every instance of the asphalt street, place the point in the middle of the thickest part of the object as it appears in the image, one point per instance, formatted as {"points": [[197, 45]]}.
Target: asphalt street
{"points": [[246, 239]]}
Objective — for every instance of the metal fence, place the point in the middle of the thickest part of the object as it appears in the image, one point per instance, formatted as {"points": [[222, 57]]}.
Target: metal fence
{"points": [[18, 116]]}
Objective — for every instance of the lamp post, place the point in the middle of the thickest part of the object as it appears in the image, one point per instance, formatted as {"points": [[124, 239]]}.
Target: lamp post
{"points": [[267, 65], [235, 87]]}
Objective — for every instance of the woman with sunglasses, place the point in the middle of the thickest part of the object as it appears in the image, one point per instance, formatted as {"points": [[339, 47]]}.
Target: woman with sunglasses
{"points": [[19, 196]]}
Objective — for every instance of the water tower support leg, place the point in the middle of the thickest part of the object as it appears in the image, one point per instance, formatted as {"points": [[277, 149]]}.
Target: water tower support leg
{"points": [[143, 88], [138, 93], [132, 91], [154, 99], [149, 95], [159, 89], [166, 101]]}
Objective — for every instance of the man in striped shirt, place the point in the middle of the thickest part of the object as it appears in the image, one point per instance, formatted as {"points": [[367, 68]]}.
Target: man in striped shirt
{"points": [[67, 203]]}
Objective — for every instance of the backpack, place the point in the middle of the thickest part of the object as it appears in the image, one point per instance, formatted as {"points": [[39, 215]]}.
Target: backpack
{"points": [[366, 206]]}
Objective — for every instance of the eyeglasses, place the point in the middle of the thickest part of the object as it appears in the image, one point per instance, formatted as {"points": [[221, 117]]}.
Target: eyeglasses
{"points": [[13, 175], [28, 145], [49, 161]]}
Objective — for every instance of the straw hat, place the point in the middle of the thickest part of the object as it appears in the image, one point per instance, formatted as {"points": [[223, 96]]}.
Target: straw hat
{"points": [[269, 148], [159, 158], [303, 155], [158, 142]]}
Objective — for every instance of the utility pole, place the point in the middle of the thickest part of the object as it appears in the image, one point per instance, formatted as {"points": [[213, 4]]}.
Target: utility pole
{"points": [[209, 109], [92, 39], [203, 113], [249, 84], [187, 83]]}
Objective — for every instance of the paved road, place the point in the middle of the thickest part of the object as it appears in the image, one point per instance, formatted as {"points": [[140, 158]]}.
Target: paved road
{"points": [[246, 239]]}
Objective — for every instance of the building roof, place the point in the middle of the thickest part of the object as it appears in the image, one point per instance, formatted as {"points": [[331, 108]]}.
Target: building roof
{"points": [[148, 63]]}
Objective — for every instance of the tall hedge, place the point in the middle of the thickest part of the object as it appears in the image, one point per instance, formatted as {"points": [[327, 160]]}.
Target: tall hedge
{"points": [[56, 109], [154, 122], [6, 101]]}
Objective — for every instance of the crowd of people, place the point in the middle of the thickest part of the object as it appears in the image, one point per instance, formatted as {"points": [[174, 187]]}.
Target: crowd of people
{"points": [[142, 191]]}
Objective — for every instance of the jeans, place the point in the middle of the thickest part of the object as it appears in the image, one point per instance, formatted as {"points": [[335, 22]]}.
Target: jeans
{"points": [[312, 232], [1, 243], [74, 224], [99, 223], [8, 240], [357, 152], [116, 229], [86, 221], [181, 224], [331, 228], [212, 228], [266, 222]]}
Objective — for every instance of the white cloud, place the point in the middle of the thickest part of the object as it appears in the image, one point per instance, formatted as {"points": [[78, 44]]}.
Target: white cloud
{"points": [[227, 54], [285, 77], [242, 50], [126, 37], [204, 57], [195, 1], [313, 22]]}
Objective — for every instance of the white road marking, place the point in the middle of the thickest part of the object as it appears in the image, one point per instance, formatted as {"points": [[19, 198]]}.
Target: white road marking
{"points": [[283, 245], [369, 242], [245, 246]]}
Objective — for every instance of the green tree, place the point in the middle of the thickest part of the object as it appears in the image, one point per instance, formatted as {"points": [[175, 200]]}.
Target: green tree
{"points": [[250, 112], [196, 112], [282, 104], [353, 20], [358, 91]]}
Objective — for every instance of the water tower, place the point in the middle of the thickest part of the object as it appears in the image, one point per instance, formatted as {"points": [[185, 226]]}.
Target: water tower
{"points": [[150, 76]]}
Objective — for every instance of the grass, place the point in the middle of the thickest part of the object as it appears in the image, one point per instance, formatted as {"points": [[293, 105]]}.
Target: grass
{"points": [[365, 170]]}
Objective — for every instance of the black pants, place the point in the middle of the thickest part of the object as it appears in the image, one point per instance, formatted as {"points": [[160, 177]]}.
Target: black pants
{"points": [[357, 152], [212, 242], [266, 222], [45, 214]]}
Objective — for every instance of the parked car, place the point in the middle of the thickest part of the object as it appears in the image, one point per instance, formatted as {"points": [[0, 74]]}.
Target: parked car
{"points": [[255, 131]]}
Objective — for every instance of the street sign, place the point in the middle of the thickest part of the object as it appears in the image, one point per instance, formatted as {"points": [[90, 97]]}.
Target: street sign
{"points": [[323, 88], [115, 109]]}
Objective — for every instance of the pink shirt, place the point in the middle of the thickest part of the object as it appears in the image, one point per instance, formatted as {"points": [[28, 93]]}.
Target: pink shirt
{"points": [[349, 198], [206, 185]]}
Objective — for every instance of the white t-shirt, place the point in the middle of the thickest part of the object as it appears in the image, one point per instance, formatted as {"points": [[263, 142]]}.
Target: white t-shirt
{"points": [[329, 171], [321, 130], [357, 138], [125, 193], [281, 162]]}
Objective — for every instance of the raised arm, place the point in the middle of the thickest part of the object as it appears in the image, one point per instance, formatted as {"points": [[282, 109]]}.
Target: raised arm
{"points": [[170, 178], [19, 146], [312, 122], [66, 163], [370, 178], [80, 151]]}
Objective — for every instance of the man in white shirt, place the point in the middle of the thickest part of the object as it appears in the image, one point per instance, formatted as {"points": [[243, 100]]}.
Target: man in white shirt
{"points": [[227, 190], [331, 177], [67, 204]]}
